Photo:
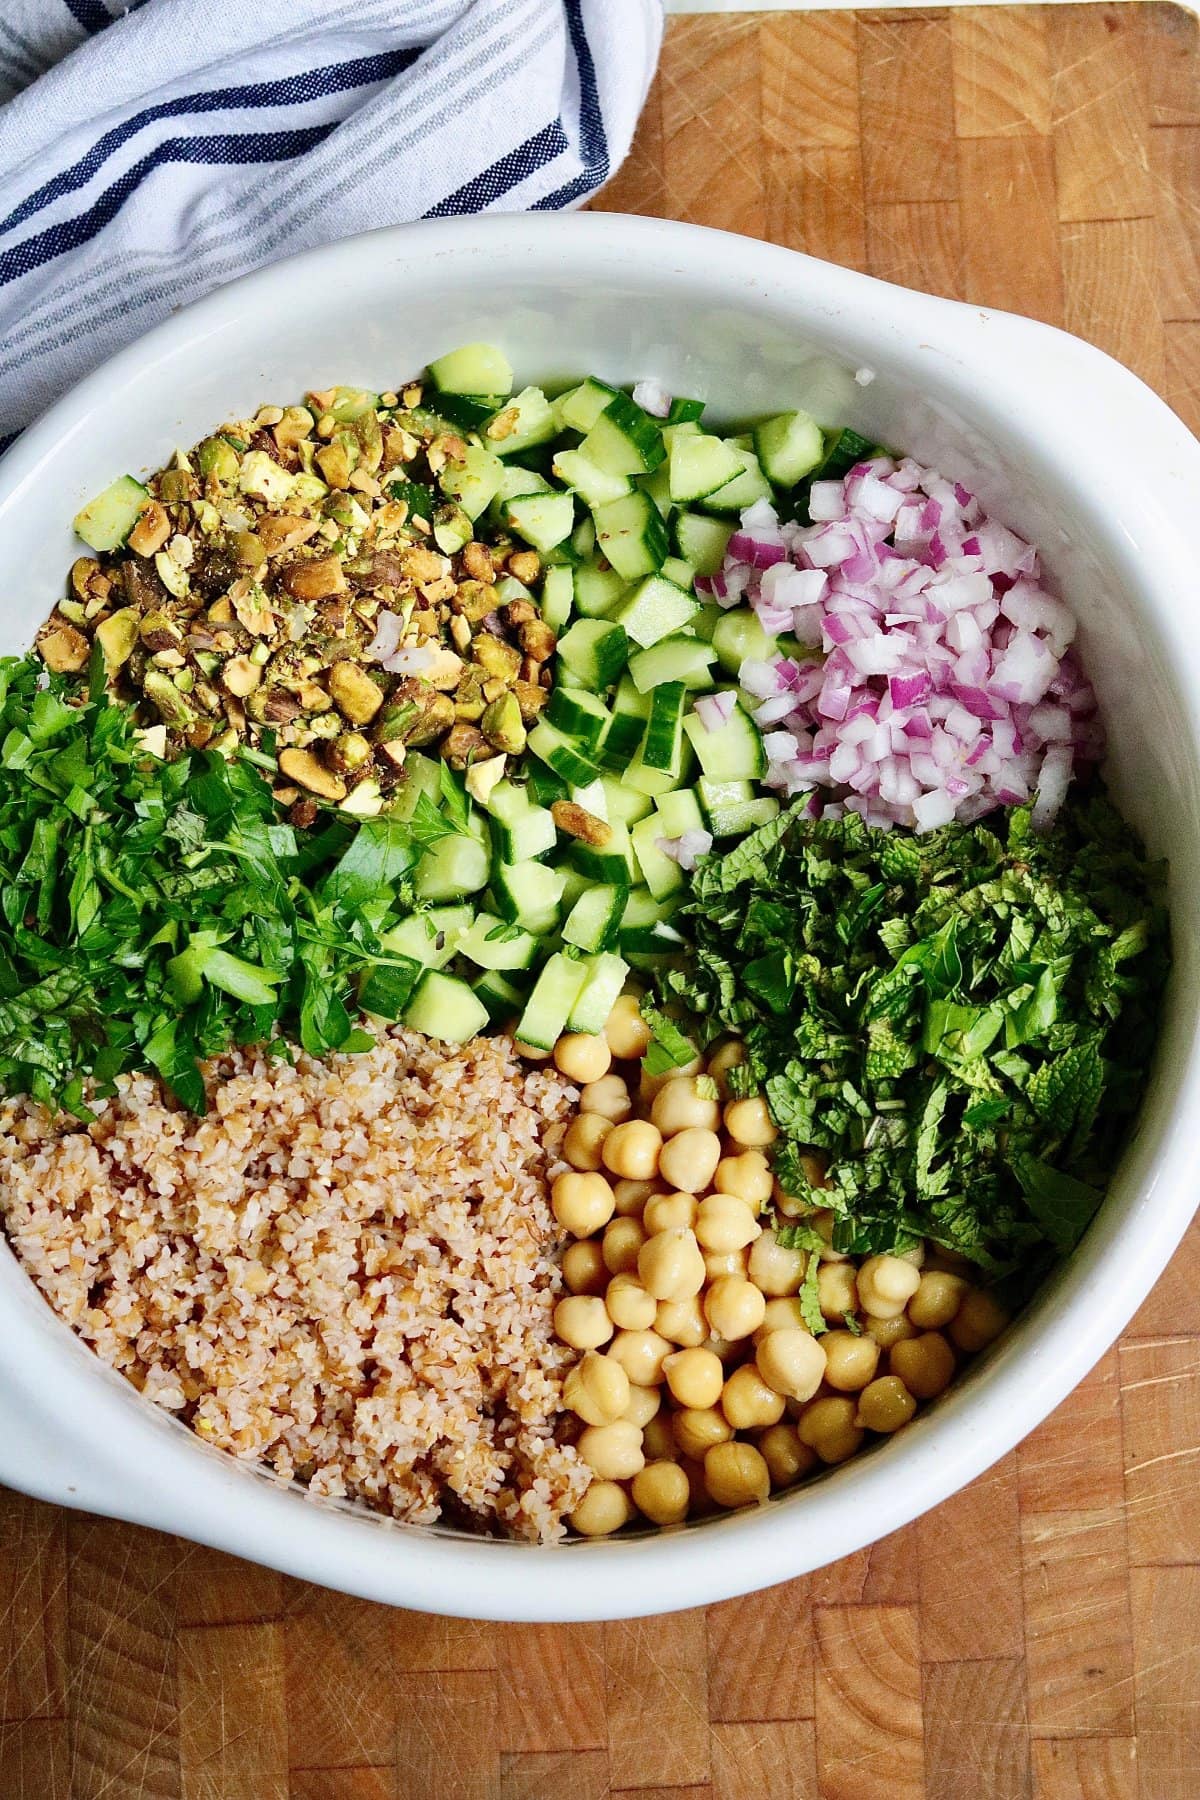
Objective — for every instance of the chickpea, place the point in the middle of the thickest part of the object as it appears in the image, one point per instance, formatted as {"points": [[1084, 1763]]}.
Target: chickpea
{"points": [[837, 1289], [604, 1509], [609, 1097], [667, 1211], [734, 1307], [749, 1123], [629, 1306], [631, 1149], [748, 1402], [582, 1321], [623, 1239], [681, 1105], [682, 1322], [581, 1057], [597, 1389], [645, 1403], [725, 1223], [780, 1314], [651, 1085], [689, 1159], [924, 1364], [613, 1452], [700, 1504], [748, 1176], [936, 1300], [582, 1202], [886, 1284], [850, 1362], [695, 1378], [728, 1056], [658, 1436], [696, 1430], [626, 1031], [787, 1459], [670, 1265], [641, 1354], [661, 1491], [791, 1362], [736, 1474], [793, 1205], [630, 1197], [822, 1223], [531, 1052], [726, 1262], [978, 1320], [915, 1256], [583, 1267], [885, 1405], [773, 1267], [887, 1332], [584, 1140], [827, 1426]]}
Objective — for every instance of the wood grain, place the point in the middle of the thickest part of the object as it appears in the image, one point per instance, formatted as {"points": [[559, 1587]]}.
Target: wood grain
{"points": [[1038, 1637]]}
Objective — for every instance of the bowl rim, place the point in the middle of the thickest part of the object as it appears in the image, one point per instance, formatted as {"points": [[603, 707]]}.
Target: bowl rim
{"points": [[73, 1431]]}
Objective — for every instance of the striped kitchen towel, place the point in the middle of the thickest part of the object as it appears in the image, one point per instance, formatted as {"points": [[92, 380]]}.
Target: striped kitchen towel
{"points": [[148, 154]]}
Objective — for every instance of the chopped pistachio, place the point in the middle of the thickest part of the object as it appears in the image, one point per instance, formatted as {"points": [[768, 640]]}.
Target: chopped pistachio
{"points": [[502, 725], [151, 531], [482, 777], [308, 771], [495, 657], [162, 693], [241, 675], [116, 637], [173, 578], [62, 648], [261, 477], [314, 580], [356, 695]]}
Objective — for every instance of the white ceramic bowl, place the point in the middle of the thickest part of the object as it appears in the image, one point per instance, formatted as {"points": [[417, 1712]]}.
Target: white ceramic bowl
{"points": [[1062, 443]]}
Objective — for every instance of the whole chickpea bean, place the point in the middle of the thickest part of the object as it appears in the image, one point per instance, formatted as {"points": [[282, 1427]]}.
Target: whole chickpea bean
{"points": [[670, 1265], [795, 1206], [725, 1223], [886, 1284], [696, 1430], [680, 1105], [641, 1354], [850, 1362], [695, 1377], [583, 1267], [585, 1139], [667, 1211], [650, 1085], [581, 1057], [682, 1322], [827, 1426], [688, 1160], [748, 1402], [786, 1457], [748, 1122], [645, 1403], [774, 1268], [607, 1096], [823, 1222], [727, 1056], [792, 1362], [936, 1300], [885, 1405], [734, 1307], [613, 1452], [700, 1505], [736, 1474], [630, 1150], [582, 1202], [726, 1262], [604, 1509], [627, 1032], [597, 1389], [661, 1492], [837, 1289], [780, 1314], [924, 1364], [582, 1321], [887, 1332], [979, 1320], [630, 1197], [658, 1437], [629, 1306], [748, 1176], [623, 1239]]}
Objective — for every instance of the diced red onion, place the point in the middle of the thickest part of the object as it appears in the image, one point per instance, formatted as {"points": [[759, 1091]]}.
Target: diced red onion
{"points": [[687, 848], [653, 398], [388, 627], [715, 710]]}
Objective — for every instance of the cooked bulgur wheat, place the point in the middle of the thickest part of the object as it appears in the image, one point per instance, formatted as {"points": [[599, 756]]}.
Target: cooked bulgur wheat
{"points": [[344, 1272]]}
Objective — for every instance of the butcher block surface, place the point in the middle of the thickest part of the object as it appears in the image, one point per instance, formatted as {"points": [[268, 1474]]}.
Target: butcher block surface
{"points": [[1037, 1636]]}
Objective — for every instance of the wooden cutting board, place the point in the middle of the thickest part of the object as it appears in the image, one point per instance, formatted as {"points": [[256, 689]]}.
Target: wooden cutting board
{"points": [[1040, 1634]]}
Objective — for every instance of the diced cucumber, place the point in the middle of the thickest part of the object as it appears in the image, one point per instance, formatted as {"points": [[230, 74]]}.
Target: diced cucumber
{"points": [[680, 572], [386, 989], [452, 528], [598, 591], [494, 943], [421, 776], [631, 534], [508, 588], [624, 439], [543, 785], [430, 938], [733, 752], [619, 744], [603, 980], [630, 700], [655, 609], [684, 410], [594, 921], [543, 520], [452, 867], [658, 487], [745, 488], [558, 597], [529, 894], [564, 554], [678, 428], [661, 873], [468, 411], [700, 465], [789, 446], [475, 481], [593, 798], [659, 763], [739, 635], [843, 449], [705, 623], [583, 538], [646, 927], [554, 994], [623, 803], [594, 651], [514, 482], [502, 997], [595, 486], [674, 659], [581, 406], [578, 713], [701, 540], [105, 522], [732, 808], [575, 885], [561, 755], [445, 1008], [613, 861], [679, 812], [521, 831], [473, 369], [534, 424]]}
